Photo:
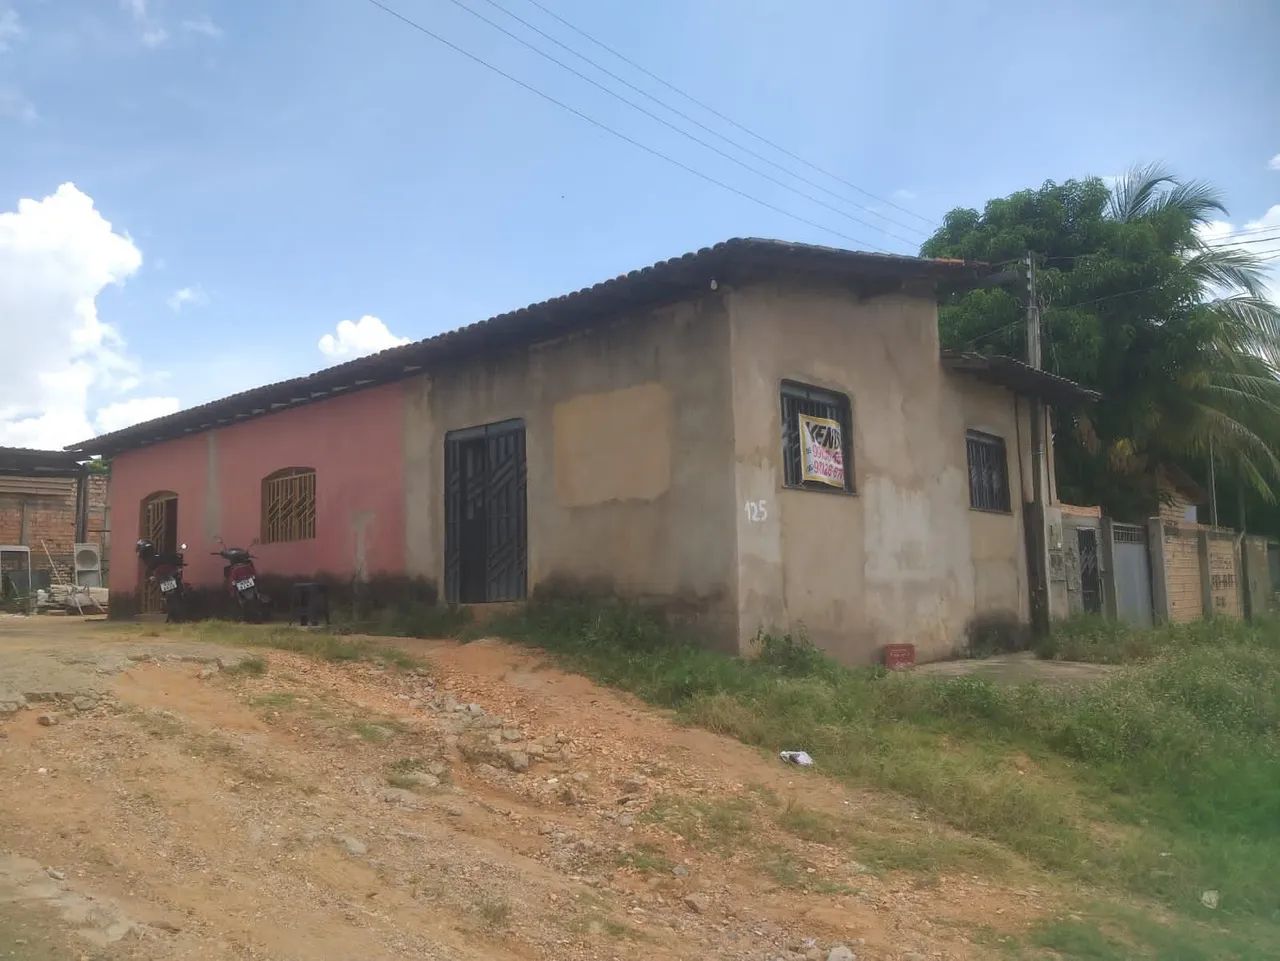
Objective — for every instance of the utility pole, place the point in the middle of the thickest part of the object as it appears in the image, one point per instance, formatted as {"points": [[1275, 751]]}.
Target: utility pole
{"points": [[1038, 568], [1213, 486]]}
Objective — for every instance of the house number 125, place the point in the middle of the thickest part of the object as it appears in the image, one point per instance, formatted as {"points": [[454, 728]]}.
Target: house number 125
{"points": [[757, 511]]}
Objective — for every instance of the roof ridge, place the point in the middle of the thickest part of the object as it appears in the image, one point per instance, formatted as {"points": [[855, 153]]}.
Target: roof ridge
{"points": [[644, 285]]}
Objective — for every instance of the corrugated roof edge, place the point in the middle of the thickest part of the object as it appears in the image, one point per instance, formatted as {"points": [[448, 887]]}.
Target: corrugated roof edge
{"points": [[1019, 376], [31, 459], [650, 284]]}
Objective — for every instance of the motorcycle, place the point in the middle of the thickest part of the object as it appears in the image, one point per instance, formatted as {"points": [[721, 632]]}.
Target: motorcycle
{"points": [[240, 580], [165, 571]]}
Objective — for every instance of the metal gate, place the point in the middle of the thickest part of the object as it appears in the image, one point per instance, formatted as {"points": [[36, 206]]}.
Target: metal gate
{"points": [[160, 526], [486, 542], [1090, 579], [1132, 574]]}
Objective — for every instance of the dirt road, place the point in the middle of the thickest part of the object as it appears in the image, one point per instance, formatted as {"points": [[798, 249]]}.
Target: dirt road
{"points": [[483, 806]]}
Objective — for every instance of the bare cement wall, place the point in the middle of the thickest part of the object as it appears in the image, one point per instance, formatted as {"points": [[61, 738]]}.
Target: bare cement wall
{"points": [[629, 443], [904, 559]]}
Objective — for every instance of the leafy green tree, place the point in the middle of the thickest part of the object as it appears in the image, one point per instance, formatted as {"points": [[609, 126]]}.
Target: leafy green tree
{"points": [[1175, 331]]}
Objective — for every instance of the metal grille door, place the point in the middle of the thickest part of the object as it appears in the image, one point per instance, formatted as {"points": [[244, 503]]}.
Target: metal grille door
{"points": [[1132, 574], [160, 526], [486, 543], [1090, 582]]}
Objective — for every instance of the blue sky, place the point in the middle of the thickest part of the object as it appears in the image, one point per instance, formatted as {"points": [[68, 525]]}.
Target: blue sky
{"points": [[292, 165]]}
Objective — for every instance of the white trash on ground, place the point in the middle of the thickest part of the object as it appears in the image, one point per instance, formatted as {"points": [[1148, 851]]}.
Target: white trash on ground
{"points": [[797, 757]]}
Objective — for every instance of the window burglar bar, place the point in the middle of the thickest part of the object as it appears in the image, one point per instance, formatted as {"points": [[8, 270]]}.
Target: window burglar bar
{"points": [[988, 472], [289, 505], [801, 399]]}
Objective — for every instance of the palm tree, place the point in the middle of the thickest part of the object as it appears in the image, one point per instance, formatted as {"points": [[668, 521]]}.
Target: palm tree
{"points": [[1206, 331], [1175, 330]]}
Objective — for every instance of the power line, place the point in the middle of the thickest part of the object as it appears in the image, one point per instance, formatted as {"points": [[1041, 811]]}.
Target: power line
{"points": [[729, 120], [1123, 293], [678, 129], [685, 116], [1272, 238], [1242, 233], [621, 136], [992, 333], [1082, 303]]}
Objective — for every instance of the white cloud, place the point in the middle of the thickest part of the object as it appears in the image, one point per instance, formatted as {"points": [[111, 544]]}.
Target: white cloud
{"points": [[14, 106], [57, 255], [1260, 237], [368, 335], [126, 413], [10, 27], [1274, 162], [152, 34], [187, 297], [204, 26], [902, 193]]}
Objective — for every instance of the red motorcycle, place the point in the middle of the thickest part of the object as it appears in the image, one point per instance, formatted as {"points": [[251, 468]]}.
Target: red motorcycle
{"points": [[240, 580]]}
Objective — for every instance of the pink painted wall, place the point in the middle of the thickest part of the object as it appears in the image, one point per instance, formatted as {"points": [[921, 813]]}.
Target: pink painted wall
{"points": [[355, 443]]}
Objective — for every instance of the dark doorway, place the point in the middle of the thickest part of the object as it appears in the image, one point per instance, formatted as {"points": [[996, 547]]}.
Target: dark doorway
{"points": [[486, 547], [1090, 582]]}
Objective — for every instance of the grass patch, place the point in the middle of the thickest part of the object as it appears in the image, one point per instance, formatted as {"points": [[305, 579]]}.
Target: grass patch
{"points": [[1163, 779], [406, 765], [715, 825], [1107, 932], [647, 858], [376, 731], [1079, 939], [1092, 638], [159, 724], [322, 645], [253, 666], [413, 619], [274, 700], [621, 931], [495, 911], [922, 851]]}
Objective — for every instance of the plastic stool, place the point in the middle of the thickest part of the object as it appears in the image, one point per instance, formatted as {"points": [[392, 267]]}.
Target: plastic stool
{"points": [[309, 603]]}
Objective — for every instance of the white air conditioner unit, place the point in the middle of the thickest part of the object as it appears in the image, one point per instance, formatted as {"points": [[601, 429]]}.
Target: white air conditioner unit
{"points": [[88, 565]]}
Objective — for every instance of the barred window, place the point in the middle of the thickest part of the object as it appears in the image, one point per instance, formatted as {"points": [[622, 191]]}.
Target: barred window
{"points": [[817, 443], [988, 472], [289, 505]]}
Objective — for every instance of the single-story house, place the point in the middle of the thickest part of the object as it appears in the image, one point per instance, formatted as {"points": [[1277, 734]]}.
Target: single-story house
{"points": [[758, 435], [54, 509]]}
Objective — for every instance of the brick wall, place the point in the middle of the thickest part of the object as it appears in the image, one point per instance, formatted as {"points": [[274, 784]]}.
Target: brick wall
{"points": [[47, 514], [1224, 580], [1175, 507], [97, 519], [1182, 572]]}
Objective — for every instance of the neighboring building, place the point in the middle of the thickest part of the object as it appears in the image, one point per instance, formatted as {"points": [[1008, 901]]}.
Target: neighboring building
{"points": [[49, 503], [757, 435], [1168, 569]]}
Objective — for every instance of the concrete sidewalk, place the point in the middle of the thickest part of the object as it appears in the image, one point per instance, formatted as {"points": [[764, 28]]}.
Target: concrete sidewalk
{"points": [[1018, 669]]}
